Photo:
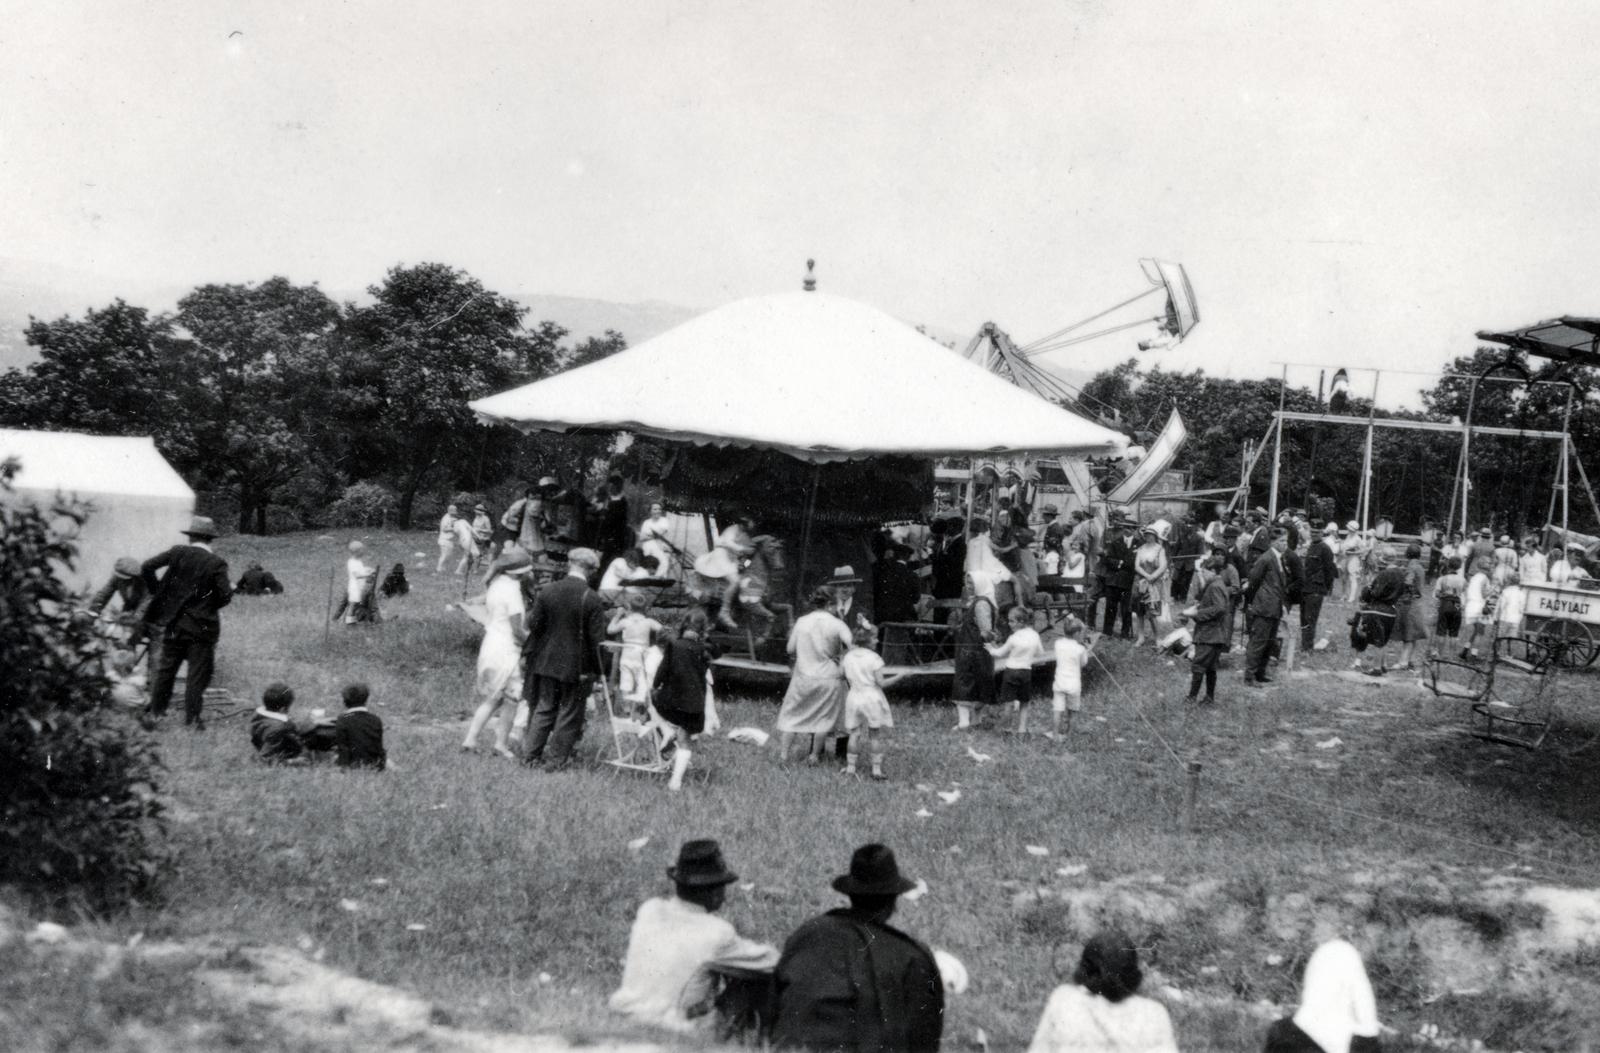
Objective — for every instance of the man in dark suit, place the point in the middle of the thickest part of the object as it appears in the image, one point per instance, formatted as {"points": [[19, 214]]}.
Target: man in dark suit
{"points": [[849, 980], [948, 562], [183, 613], [895, 587], [565, 629], [1263, 599], [1321, 572], [1116, 565]]}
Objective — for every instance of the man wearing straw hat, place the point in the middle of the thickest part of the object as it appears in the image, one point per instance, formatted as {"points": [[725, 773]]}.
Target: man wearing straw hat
{"points": [[850, 981], [184, 603], [678, 943]]}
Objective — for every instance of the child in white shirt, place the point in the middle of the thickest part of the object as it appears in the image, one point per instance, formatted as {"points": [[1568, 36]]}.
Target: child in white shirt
{"points": [[866, 703], [1019, 651], [1513, 601], [1067, 697], [638, 632]]}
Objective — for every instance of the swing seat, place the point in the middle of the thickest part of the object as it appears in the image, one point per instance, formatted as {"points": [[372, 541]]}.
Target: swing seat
{"points": [[1516, 710], [635, 744], [1449, 678]]}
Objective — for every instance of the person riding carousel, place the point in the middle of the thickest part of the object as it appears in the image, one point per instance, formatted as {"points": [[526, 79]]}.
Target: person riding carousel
{"points": [[725, 563]]}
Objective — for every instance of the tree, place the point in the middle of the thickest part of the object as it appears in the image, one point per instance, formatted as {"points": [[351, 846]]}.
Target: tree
{"points": [[104, 374], [255, 361], [406, 367]]}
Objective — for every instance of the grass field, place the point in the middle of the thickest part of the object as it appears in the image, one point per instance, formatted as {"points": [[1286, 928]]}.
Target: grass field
{"points": [[526, 887]]}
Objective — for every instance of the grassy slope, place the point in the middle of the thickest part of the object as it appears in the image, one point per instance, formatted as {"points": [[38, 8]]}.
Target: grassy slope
{"points": [[516, 874]]}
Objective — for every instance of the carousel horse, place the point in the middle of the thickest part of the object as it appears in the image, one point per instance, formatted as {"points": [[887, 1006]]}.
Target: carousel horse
{"points": [[743, 591]]}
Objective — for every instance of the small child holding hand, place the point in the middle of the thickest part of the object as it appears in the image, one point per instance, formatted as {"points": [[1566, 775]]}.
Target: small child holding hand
{"points": [[1019, 651], [866, 703], [1067, 697]]}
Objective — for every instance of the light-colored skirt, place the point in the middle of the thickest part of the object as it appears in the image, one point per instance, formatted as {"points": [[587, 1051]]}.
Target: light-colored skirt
{"points": [[867, 705], [812, 705]]}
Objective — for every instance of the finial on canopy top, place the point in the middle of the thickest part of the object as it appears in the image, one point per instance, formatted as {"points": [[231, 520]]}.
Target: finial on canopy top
{"points": [[811, 278]]}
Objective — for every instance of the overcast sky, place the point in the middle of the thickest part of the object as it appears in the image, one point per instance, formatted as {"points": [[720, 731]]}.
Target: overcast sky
{"points": [[1346, 183]]}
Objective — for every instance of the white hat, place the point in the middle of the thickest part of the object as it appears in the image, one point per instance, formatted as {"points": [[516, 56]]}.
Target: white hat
{"points": [[951, 971], [1352, 525]]}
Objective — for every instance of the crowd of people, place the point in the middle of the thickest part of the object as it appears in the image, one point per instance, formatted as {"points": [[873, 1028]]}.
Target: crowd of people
{"points": [[849, 980]]}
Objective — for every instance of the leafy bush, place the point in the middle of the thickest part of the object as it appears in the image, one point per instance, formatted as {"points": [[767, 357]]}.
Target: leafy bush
{"points": [[80, 820], [363, 504]]}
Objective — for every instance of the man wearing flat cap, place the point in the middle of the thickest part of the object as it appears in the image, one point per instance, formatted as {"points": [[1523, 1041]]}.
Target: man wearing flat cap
{"points": [[561, 659], [184, 603], [849, 981], [678, 945]]}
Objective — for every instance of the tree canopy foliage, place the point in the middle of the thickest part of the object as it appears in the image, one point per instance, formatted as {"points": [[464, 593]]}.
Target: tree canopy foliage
{"points": [[1413, 472], [273, 398]]}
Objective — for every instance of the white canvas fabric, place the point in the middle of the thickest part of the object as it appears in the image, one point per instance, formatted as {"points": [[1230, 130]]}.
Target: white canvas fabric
{"points": [[819, 377]]}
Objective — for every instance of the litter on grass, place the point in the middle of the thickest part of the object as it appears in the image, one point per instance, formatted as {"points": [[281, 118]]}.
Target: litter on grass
{"points": [[1328, 744], [950, 796], [638, 843], [349, 904], [1074, 870], [975, 755], [923, 813], [916, 893], [1036, 850], [416, 927], [749, 736]]}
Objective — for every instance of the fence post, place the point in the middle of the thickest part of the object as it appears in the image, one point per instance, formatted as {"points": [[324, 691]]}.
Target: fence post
{"points": [[1191, 796]]}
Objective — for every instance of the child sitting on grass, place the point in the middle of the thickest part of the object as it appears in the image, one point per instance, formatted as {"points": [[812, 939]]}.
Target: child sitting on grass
{"points": [[866, 703], [358, 733], [638, 631], [1019, 651], [279, 740], [1067, 697]]}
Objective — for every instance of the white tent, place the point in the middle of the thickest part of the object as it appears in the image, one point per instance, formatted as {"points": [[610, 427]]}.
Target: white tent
{"points": [[138, 503], [818, 377]]}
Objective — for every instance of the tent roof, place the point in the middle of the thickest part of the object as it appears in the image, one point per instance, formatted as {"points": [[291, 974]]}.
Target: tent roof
{"points": [[818, 377], [91, 464]]}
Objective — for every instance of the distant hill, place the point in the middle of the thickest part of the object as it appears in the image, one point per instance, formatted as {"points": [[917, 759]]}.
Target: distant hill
{"points": [[48, 291]]}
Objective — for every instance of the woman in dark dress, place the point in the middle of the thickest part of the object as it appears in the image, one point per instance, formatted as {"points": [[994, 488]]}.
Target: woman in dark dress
{"points": [[1337, 1012], [974, 683], [680, 688], [1380, 604]]}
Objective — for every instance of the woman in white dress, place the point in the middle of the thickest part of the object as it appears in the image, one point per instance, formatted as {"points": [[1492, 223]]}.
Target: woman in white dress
{"points": [[654, 543], [499, 681], [1353, 550], [360, 595]]}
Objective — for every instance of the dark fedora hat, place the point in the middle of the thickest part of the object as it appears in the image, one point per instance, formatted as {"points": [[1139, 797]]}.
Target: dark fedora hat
{"points": [[873, 872], [700, 863]]}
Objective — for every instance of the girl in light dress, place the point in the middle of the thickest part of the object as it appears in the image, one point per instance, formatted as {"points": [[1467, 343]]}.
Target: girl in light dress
{"points": [[498, 687], [1353, 551], [866, 706]]}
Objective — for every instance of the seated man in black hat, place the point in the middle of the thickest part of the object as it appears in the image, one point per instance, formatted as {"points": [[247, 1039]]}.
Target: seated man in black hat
{"points": [[849, 981], [678, 944]]}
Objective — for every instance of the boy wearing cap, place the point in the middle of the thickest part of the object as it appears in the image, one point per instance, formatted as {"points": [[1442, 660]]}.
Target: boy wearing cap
{"points": [[849, 980], [183, 609], [678, 941], [129, 589]]}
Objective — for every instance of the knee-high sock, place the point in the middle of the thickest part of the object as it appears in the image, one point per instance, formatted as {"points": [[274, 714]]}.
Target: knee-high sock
{"points": [[1194, 682], [1211, 682], [680, 764]]}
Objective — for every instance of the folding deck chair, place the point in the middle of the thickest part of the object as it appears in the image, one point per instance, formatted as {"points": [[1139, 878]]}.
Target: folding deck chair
{"points": [[635, 744], [1509, 691]]}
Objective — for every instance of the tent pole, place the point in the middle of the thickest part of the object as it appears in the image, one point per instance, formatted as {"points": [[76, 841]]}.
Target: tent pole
{"points": [[1566, 471], [805, 538], [1464, 477], [1366, 468], [1277, 446], [1244, 480], [972, 486]]}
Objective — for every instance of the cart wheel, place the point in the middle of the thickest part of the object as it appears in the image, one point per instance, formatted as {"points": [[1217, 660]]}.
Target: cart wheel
{"points": [[1572, 643]]}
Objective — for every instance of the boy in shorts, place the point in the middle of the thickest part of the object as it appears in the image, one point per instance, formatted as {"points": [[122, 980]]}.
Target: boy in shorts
{"points": [[866, 705], [1067, 696], [1019, 651]]}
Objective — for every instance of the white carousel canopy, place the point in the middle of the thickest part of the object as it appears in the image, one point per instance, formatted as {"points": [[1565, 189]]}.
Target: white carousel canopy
{"points": [[819, 377]]}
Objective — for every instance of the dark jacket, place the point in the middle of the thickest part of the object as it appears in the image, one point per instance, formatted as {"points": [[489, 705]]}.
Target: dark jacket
{"points": [[949, 570], [276, 741], [1320, 569], [846, 982], [565, 629], [258, 582], [1294, 578], [895, 591], [1263, 596], [1116, 562], [1285, 1036], [680, 684], [191, 592], [1213, 612], [358, 740], [134, 592]]}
